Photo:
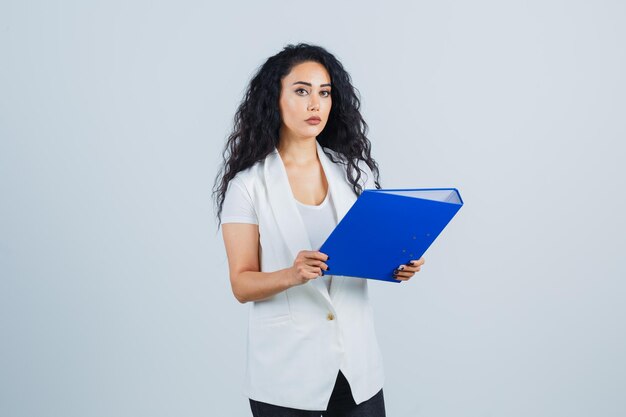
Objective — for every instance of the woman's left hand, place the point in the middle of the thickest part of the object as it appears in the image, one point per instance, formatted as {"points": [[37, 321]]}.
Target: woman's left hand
{"points": [[406, 272]]}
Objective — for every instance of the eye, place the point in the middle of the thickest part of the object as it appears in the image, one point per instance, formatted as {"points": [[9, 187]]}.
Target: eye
{"points": [[300, 89], [326, 93]]}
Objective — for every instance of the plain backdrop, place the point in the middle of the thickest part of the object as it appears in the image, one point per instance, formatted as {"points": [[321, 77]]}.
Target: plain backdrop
{"points": [[114, 294]]}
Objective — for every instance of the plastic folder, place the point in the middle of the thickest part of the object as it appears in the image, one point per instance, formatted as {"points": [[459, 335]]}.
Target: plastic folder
{"points": [[387, 228]]}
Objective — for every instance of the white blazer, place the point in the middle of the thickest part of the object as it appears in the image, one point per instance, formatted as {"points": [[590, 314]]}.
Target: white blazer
{"points": [[300, 338]]}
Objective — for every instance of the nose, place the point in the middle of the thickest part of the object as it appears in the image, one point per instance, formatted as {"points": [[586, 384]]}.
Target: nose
{"points": [[314, 103]]}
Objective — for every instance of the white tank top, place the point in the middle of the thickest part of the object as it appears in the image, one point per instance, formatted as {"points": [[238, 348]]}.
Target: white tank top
{"points": [[320, 222]]}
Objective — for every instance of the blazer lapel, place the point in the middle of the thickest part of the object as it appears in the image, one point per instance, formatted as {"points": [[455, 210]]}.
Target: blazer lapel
{"points": [[343, 197], [287, 215]]}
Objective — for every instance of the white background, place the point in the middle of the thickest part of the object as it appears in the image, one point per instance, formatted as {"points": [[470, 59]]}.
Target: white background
{"points": [[114, 290]]}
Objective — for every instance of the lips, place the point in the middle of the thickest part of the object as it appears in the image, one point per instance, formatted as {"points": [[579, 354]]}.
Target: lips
{"points": [[314, 118]]}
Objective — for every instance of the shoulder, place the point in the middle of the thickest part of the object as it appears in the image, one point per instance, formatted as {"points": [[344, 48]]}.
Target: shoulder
{"points": [[248, 177], [238, 205]]}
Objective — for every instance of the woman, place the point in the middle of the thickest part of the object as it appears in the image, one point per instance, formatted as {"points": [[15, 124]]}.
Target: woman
{"points": [[293, 166]]}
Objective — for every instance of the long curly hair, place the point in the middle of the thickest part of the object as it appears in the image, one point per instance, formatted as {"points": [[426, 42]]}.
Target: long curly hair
{"points": [[257, 121]]}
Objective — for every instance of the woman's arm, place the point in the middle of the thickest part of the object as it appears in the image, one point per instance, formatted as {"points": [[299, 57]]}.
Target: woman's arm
{"points": [[242, 248], [248, 283]]}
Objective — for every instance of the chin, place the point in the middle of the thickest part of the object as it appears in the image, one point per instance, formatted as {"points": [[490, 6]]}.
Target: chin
{"points": [[314, 131]]}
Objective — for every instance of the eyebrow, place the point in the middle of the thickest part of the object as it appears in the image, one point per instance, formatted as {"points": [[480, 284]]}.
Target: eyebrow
{"points": [[310, 85]]}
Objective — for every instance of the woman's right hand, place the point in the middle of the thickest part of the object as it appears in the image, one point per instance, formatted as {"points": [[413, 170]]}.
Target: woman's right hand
{"points": [[308, 265]]}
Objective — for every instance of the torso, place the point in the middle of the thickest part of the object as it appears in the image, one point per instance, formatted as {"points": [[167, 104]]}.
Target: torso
{"points": [[308, 183]]}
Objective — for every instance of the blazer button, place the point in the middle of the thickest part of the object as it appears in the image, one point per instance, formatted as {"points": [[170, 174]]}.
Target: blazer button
{"points": [[330, 316]]}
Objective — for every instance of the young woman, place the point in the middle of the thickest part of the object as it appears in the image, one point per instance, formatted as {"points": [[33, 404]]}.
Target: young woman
{"points": [[296, 161]]}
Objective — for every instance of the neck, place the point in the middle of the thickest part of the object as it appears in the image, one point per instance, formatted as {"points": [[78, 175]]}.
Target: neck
{"points": [[298, 151]]}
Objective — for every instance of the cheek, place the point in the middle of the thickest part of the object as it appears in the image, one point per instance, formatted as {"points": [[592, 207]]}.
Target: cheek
{"points": [[287, 108], [328, 107]]}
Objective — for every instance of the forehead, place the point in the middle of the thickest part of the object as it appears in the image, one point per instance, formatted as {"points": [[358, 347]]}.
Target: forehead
{"points": [[310, 71]]}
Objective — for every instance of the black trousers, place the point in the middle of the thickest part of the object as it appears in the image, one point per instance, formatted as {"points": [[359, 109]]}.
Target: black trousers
{"points": [[341, 405]]}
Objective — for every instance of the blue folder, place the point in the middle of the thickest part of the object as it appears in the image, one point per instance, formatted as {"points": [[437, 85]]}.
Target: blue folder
{"points": [[386, 228]]}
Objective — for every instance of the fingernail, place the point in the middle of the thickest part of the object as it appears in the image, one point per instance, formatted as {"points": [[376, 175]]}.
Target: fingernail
{"points": [[411, 263], [328, 268], [401, 268], [395, 271]]}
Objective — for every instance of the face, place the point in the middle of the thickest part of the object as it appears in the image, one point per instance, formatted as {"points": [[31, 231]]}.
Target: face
{"points": [[305, 93]]}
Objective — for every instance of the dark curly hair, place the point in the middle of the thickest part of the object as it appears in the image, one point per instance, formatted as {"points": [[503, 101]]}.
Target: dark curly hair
{"points": [[257, 120]]}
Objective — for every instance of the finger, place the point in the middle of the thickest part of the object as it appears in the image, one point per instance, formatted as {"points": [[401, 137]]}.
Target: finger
{"points": [[313, 268], [400, 278], [312, 273], [397, 273], [415, 262], [318, 272], [324, 256], [412, 268], [307, 270], [315, 255], [406, 267], [318, 264], [404, 274], [404, 271]]}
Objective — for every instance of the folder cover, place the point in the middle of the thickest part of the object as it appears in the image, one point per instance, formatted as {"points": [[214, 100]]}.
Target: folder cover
{"points": [[386, 228]]}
